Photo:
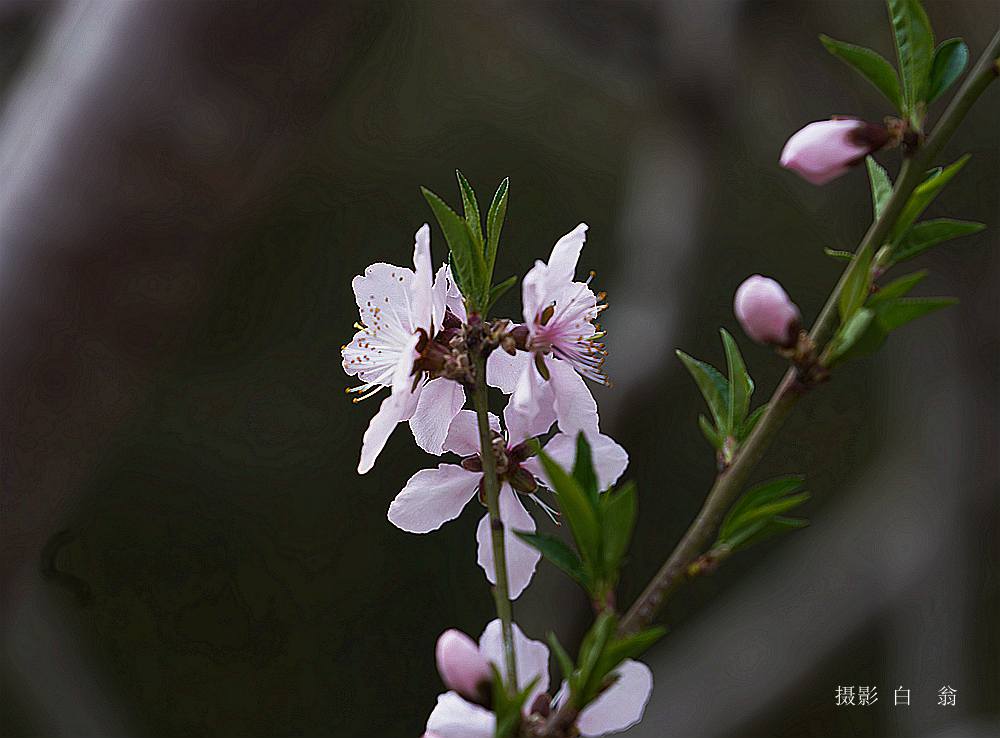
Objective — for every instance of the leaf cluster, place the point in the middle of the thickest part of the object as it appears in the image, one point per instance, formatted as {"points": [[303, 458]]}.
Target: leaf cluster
{"points": [[759, 513], [473, 250], [925, 72], [601, 652], [601, 524], [728, 399]]}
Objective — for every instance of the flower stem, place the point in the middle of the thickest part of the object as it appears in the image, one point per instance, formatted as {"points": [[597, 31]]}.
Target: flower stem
{"points": [[729, 483], [480, 400]]}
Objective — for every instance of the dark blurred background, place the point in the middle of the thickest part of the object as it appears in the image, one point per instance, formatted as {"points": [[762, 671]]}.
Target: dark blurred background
{"points": [[187, 190]]}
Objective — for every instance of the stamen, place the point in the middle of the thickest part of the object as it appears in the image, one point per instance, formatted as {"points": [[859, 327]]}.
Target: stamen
{"points": [[553, 514]]}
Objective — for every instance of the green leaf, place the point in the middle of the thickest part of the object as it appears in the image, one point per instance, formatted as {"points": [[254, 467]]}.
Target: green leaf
{"points": [[618, 650], [755, 534], [494, 223], [499, 290], [751, 421], [471, 209], [870, 64], [714, 388], [558, 553], [881, 185], [711, 435], [915, 48], [591, 649], [769, 510], [856, 287], [740, 383], [618, 508], [841, 255], [950, 60], [860, 335], [929, 233], [897, 288], [923, 196], [466, 259], [761, 494], [899, 312], [583, 469], [576, 508], [562, 658]]}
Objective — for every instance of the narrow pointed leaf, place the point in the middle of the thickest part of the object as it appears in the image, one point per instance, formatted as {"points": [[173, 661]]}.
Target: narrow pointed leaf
{"points": [[751, 422], [870, 64], [583, 469], [761, 494], [769, 510], [576, 509], [897, 313], [915, 49], [708, 430], [562, 658], [950, 60], [897, 288], [494, 224], [770, 528], [714, 388], [466, 259], [929, 233], [880, 183], [856, 287], [923, 196], [471, 209], [499, 290], [740, 383], [860, 335], [558, 553], [618, 508]]}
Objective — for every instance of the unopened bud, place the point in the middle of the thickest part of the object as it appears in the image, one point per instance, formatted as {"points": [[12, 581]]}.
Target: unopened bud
{"points": [[765, 311], [824, 150], [462, 667]]}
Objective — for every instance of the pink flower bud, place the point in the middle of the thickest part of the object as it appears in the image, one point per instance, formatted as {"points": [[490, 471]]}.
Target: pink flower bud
{"points": [[765, 312], [462, 667], [828, 148]]}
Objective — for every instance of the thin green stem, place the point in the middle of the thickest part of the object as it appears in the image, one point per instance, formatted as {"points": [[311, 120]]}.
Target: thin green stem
{"points": [[730, 482], [491, 485]]}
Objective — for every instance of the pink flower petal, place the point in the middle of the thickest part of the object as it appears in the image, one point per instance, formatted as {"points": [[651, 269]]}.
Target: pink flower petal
{"points": [[503, 370], [566, 253], [395, 408], [422, 308], [432, 497], [522, 425], [439, 403], [622, 704], [463, 434], [453, 717], [575, 407], [532, 657], [521, 558]]}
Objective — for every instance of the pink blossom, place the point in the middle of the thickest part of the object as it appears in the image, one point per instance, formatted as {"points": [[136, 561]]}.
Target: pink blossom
{"points": [[563, 344], [432, 497], [824, 150], [765, 311], [398, 306], [617, 708], [461, 666]]}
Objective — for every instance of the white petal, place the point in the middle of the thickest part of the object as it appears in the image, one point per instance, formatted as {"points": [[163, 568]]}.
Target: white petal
{"points": [[395, 408], [440, 401], [382, 294], [447, 295], [532, 657], [522, 424], [521, 558], [432, 497], [503, 370], [566, 254], [423, 280], [622, 704], [610, 459], [463, 434], [534, 297], [575, 407], [453, 717]]}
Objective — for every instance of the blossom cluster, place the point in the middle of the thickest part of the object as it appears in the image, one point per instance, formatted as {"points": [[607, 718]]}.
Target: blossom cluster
{"points": [[417, 339]]}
